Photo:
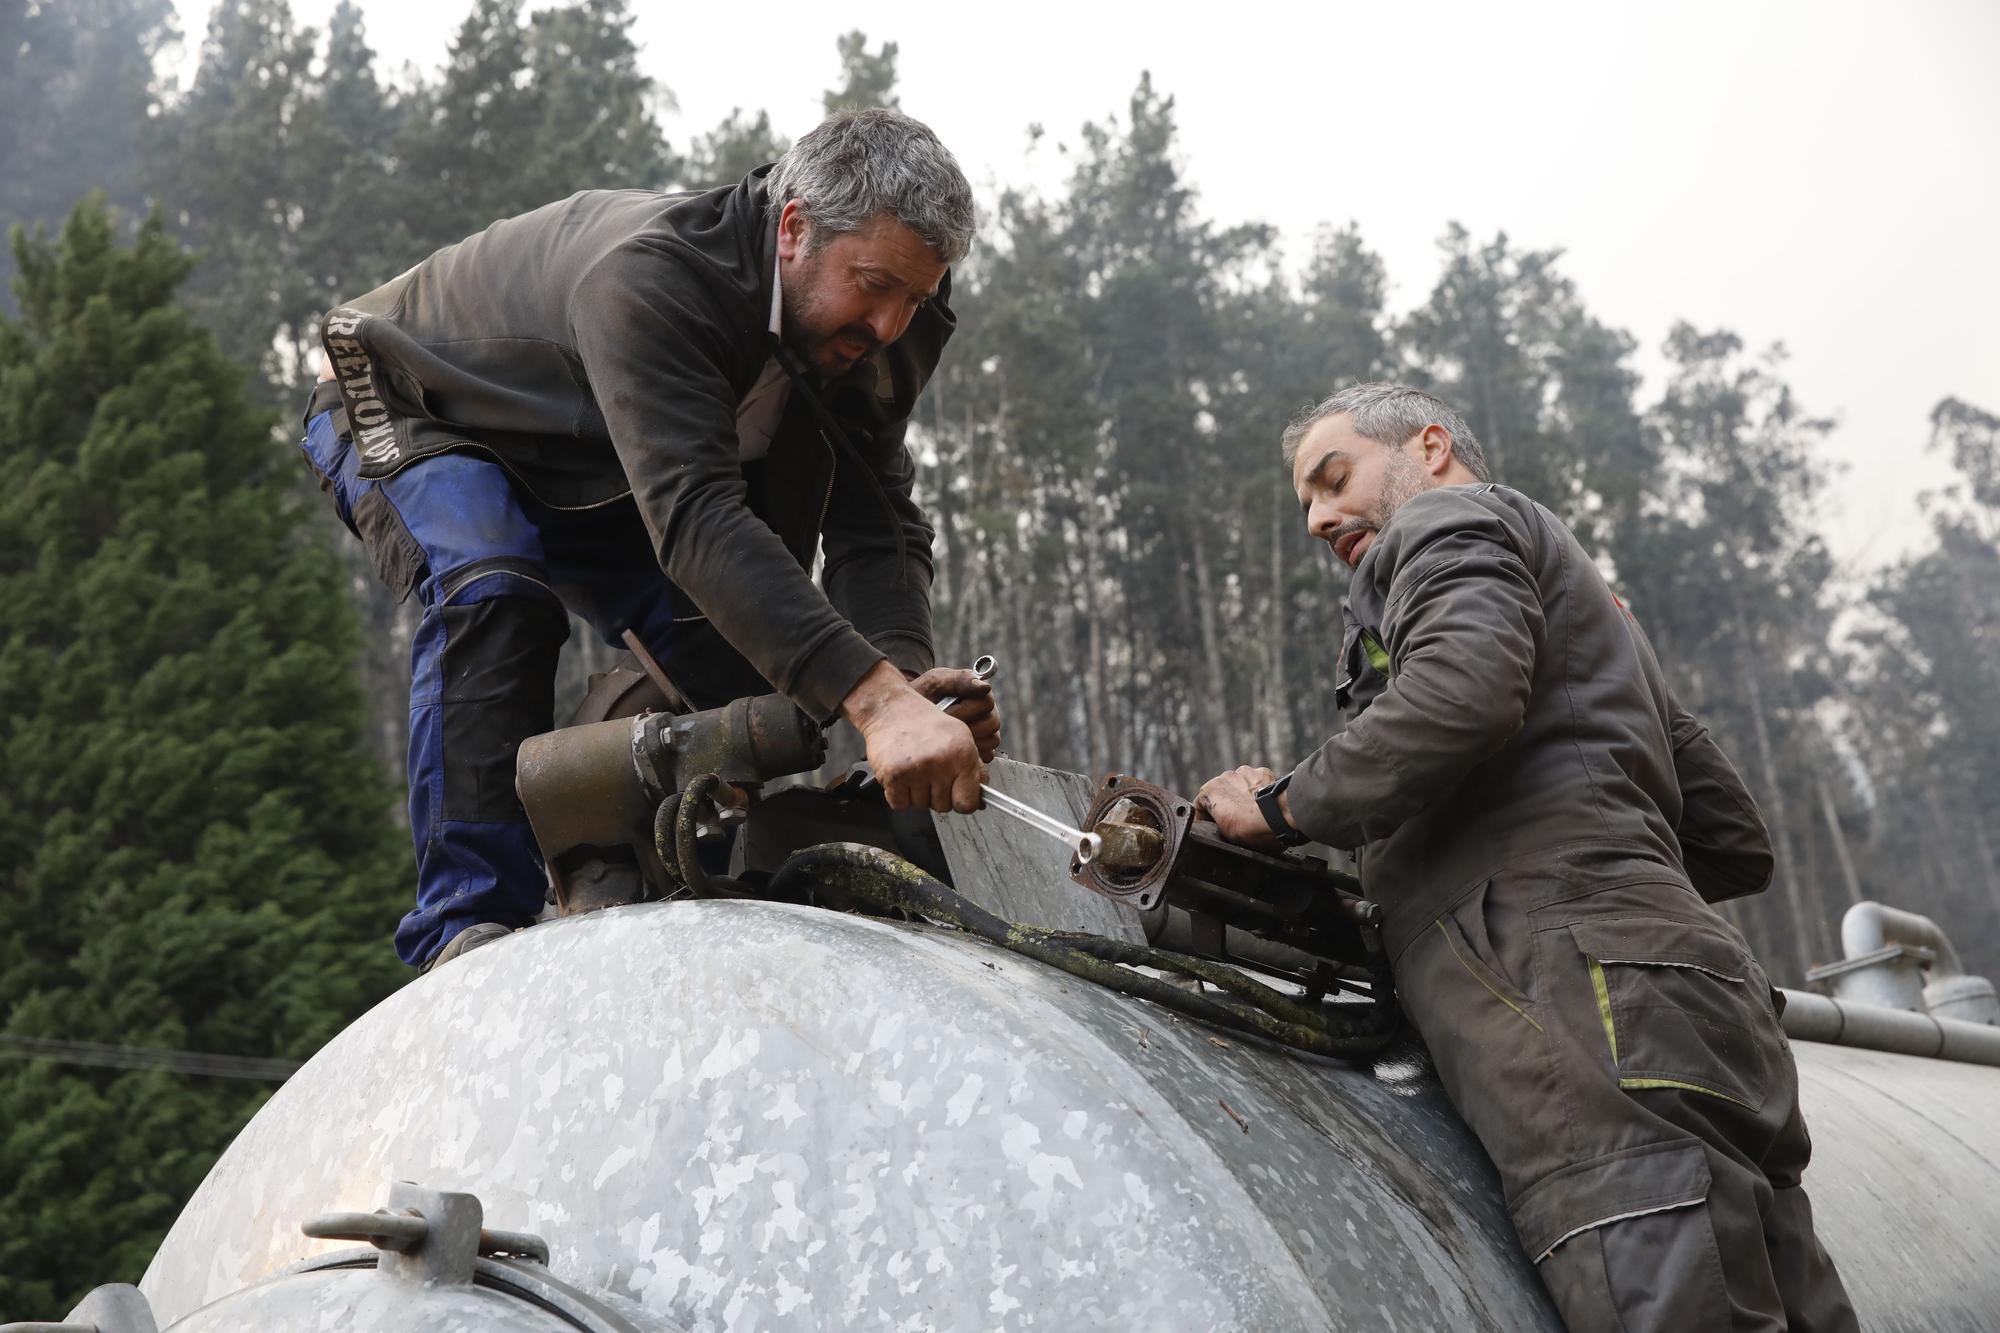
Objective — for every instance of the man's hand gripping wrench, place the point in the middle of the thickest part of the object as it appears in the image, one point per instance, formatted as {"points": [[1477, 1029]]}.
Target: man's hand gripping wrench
{"points": [[1085, 845]]}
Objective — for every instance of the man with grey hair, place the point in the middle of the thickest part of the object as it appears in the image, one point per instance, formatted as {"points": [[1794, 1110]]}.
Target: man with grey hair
{"points": [[656, 410], [1545, 827]]}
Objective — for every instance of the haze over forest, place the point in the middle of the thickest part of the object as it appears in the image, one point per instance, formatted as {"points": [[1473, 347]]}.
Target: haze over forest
{"points": [[202, 686]]}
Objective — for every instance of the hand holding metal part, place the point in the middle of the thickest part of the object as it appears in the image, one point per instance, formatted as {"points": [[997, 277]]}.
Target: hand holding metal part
{"points": [[985, 667], [967, 697], [1082, 846], [923, 759]]}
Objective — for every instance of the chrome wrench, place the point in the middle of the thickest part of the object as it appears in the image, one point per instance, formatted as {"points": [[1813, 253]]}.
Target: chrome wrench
{"points": [[1084, 845]]}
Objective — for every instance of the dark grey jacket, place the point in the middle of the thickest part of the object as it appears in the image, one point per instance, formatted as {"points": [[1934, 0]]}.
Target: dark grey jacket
{"points": [[598, 348], [1504, 712]]}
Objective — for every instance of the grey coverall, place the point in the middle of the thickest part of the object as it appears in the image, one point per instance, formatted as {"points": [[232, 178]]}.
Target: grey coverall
{"points": [[1541, 822]]}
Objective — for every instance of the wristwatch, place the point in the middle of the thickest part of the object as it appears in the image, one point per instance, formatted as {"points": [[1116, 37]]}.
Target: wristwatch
{"points": [[1274, 814]]}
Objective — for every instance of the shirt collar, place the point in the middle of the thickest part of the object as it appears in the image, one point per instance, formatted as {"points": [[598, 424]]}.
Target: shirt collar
{"points": [[777, 295]]}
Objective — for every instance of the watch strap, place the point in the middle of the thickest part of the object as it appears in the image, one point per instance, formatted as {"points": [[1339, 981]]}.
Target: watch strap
{"points": [[1274, 814]]}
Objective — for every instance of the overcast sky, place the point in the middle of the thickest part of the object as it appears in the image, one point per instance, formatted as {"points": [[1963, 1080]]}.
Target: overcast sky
{"points": [[1822, 174]]}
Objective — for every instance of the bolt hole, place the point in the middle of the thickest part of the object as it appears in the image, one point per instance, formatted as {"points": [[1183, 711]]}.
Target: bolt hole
{"points": [[1180, 809]]}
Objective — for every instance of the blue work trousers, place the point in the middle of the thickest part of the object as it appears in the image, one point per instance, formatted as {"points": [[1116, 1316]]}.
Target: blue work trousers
{"points": [[494, 570]]}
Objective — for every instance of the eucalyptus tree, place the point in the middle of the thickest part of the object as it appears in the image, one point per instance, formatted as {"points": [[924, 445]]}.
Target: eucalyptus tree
{"points": [[1730, 577], [1545, 386], [1289, 344], [1926, 672]]}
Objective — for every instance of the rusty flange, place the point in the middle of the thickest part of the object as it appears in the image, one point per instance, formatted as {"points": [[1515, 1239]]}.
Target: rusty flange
{"points": [[1143, 827]]}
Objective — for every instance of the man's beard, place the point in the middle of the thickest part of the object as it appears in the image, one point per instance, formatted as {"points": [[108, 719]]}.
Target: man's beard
{"points": [[807, 331], [1403, 479]]}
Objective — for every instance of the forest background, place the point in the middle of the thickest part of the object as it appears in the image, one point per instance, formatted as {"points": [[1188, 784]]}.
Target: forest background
{"points": [[201, 686]]}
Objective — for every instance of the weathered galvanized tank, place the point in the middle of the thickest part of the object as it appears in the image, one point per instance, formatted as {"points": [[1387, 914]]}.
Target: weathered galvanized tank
{"points": [[739, 1115], [742, 1115]]}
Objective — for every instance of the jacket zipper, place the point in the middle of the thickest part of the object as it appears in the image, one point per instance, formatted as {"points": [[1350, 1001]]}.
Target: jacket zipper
{"points": [[833, 470]]}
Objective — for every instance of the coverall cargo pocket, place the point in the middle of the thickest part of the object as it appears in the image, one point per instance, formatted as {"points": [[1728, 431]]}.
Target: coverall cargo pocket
{"points": [[1678, 1002], [397, 558], [1483, 972]]}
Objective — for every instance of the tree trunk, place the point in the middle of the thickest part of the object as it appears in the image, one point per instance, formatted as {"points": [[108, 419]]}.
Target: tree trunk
{"points": [[1948, 885], [1077, 601], [1028, 723], [1217, 703], [1781, 828], [1277, 715], [1105, 744], [1984, 850], [1812, 885], [1838, 836]]}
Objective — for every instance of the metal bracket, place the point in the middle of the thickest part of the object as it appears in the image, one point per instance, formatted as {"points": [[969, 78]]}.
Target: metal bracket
{"points": [[1130, 867], [428, 1236]]}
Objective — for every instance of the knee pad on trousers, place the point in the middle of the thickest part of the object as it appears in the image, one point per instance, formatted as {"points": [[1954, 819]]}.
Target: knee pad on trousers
{"points": [[503, 633]]}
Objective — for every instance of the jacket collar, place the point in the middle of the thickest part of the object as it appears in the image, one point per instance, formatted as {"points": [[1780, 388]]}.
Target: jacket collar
{"points": [[764, 244]]}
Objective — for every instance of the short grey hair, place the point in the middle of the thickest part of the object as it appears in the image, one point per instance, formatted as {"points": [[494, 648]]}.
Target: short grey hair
{"points": [[1390, 414], [856, 166]]}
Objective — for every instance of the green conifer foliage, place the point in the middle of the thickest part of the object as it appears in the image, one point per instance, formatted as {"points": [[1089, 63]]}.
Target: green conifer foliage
{"points": [[196, 852]]}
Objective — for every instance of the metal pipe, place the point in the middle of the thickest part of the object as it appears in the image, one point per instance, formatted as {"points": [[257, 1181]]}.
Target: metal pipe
{"points": [[1901, 958], [1810, 1017], [1872, 926]]}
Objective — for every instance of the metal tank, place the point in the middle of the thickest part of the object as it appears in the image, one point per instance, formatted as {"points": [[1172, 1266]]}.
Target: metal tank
{"points": [[740, 1115]]}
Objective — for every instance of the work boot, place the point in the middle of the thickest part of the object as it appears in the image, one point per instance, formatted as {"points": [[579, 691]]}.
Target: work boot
{"points": [[465, 942]]}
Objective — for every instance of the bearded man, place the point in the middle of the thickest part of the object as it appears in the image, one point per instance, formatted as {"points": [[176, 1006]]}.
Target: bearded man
{"points": [[1544, 827], [656, 410]]}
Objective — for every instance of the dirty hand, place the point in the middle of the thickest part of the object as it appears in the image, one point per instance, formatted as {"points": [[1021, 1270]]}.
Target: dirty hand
{"points": [[924, 759], [1230, 800], [976, 706]]}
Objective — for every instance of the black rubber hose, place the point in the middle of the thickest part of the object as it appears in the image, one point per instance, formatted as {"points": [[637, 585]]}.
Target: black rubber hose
{"points": [[887, 880], [674, 828]]}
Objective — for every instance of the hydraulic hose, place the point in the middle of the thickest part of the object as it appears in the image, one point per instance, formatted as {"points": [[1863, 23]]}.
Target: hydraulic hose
{"points": [[887, 881], [675, 825]]}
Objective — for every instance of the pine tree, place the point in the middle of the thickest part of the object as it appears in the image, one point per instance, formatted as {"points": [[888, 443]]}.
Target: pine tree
{"points": [[76, 84], [353, 194], [732, 150], [527, 113], [232, 169], [198, 853], [866, 78], [1730, 578]]}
